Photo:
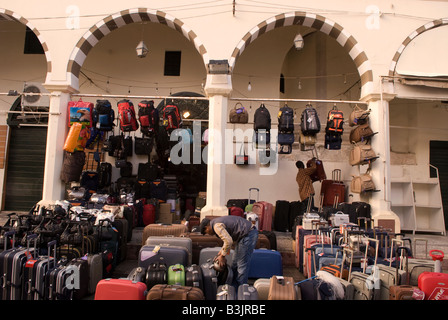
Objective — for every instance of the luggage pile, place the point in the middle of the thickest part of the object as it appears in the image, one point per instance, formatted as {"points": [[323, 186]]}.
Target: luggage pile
{"points": [[362, 262], [58, 254]]}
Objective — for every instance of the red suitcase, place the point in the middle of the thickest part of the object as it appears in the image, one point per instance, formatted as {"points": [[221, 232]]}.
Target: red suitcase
{"points": [[434, 285], [264, 211], [333, 190], [120, 289]]}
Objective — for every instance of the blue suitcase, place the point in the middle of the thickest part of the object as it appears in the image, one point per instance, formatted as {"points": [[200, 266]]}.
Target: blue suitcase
{"points": [[265, 263]]}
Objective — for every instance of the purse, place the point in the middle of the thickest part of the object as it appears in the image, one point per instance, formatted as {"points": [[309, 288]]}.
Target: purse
{"points": [[362, 183], [238, 115], [242, 158], [143, 146]]}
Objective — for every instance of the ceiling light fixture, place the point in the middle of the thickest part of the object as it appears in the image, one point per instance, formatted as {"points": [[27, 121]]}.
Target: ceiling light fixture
{"points": [[299, 42]]}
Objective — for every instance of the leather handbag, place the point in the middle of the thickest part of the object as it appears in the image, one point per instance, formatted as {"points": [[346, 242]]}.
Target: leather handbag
{"points": [[242, 158], [362, 183], [238, 115]]}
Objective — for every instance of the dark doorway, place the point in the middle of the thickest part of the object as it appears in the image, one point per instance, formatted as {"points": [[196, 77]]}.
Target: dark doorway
{"points": [[438, 157]]}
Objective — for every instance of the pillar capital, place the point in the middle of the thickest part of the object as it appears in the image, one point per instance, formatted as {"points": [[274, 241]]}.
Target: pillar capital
{"points": [[218, 84]]}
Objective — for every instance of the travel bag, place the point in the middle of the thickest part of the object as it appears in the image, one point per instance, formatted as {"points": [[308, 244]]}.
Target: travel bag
{"points": [[402, 291], [264, 210], [193, 276], [265, 263], [238, 114], [282, 288], [247, 292], [176, 274], [169, 255], [120, 289], [174, 292], [157, 229], [226, 292], [333, 191], [310, 123], [127, 116], [168, 240], [156, 273]]}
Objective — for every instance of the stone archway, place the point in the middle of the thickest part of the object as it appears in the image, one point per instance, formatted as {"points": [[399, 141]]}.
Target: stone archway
{"points": [[322, 24], [115, 21]]}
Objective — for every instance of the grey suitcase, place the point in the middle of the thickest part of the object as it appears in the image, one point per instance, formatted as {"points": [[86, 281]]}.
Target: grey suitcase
{"points": [[168, 240], [226, 292], [210, 281], [262, 286], [247, 292], [95, 266], [207, 254], [168, 255]]}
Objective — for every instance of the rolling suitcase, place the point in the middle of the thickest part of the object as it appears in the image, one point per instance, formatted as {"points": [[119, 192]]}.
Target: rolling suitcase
{"points": [[201, 241], [166, 241], [176, 275], [265, 211], [120, 289], [282, 288], [163, 230], [262, 286], [247, 292], [333, 190], [434, 285], [173, 292], [281, 216], [193, 276], [263, 242], [210, 281], [208, 254], [265, 264], [226, 292], [169, 255], [250, 201], [137, 274], [156, 273]]}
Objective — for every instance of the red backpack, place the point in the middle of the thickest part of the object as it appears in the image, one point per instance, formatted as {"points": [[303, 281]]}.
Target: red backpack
{"points": [[148, 116], [126, 113], [171, 117]]}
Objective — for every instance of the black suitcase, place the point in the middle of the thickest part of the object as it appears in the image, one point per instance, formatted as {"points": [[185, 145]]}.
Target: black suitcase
{"points": [[156, 273], [193, 276], [240, 203], [281, 216]]}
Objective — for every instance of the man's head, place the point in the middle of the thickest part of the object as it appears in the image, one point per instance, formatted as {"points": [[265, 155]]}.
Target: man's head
{"points": [[205, 227], [300, 165]]}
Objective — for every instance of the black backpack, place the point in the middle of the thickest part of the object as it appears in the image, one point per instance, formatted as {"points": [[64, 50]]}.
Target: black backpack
{"points": [[103, 115], [286, 120], [262, 119], [310, 123], [104, 174]]}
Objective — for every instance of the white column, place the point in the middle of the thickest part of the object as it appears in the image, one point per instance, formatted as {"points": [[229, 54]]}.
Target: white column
{"points": [[218, 88], [380, 172], [53, 187]]}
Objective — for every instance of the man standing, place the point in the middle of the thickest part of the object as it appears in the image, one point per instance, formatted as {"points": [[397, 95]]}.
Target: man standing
{"points": [[306, 189], [233, 229]]}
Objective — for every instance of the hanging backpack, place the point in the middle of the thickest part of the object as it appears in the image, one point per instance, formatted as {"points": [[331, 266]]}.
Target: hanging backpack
{"points": [[286, 120], [148, 116], [262, 119], [309, 121], [80, 111], [335, 122], [128, 119], [171, 117], [103, 115]]}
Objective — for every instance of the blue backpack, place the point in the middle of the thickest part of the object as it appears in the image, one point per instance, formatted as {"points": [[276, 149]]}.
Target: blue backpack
{"points": [[103, 115]]}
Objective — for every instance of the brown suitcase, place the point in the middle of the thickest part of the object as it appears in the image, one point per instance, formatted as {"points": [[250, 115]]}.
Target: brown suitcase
{"points": [[174, 292], [163, 230], [263, 242], [201, 241], [282, 288], [405, 291]]}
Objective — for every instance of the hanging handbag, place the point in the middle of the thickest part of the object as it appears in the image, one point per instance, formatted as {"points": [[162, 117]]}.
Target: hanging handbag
{"points": [[238, 115], [362, 154], [242, 158], [362, 183], [143, 146]]}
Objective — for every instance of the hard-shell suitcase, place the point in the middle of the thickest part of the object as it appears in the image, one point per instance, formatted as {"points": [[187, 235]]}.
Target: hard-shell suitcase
{"points": [[174, 292], [434, 285], [210, 281], [169, 255], [208, 254], [247, 292], [176, 274], [83, 272], [226, 292], [193, 276], [265, 263], [120, 289], [262, 286], [166, 241], [95, 267], [156, 273], [265, 212], [333, 190], [137, 274], [281, 216], [201, 241], [163, 230], [282, 288]]}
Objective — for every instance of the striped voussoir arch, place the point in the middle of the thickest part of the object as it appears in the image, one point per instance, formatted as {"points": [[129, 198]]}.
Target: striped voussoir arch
{"points": [[12, 16], [412, 36], [115, 21], [320, 23]]}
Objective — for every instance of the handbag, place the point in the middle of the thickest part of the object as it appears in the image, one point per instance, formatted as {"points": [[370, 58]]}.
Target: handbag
{"points": [[238, 115], [242, 158], [362, 154], [362, 183], [143, 146]]}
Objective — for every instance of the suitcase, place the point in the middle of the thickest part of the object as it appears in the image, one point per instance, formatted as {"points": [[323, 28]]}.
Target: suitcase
{"points": [[263, 242], [122, 227], [210, 281], [173, 292], [281, 216], [95, 267], [137, 274], [333, 191], [282, 288], [265, 211], [272, 238], [176, 275], [120, 289], [250, 201], [201, 241], [208, 254], [434, 285], [193, 276], [166, 241], [226, 292], [156, 273], [82, 267], [169, 255], [163, 230], [265, 264], [300, 234], [247, 292], [262, 286]]}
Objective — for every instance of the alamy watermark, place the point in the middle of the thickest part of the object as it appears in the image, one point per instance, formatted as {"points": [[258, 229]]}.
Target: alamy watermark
{"points": [[228, 148]]}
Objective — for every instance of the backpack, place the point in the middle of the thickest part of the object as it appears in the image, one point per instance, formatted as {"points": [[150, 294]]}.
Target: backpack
{"points": [[80, 111], [171, 117], [128, 119], [262, 118], [333, 141], [104, 174], [335, 121], [286, 120], [103, 115], [310, 123], [148, 116]]}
